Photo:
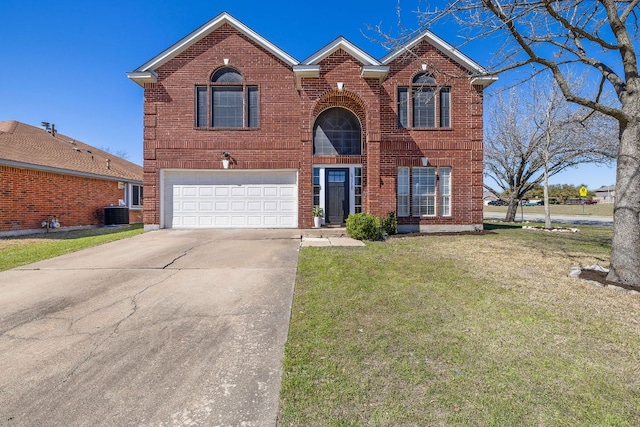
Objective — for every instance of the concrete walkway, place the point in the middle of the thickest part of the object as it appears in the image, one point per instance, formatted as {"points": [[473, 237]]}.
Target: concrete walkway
{"points": [[330, 241], [328, 236]]}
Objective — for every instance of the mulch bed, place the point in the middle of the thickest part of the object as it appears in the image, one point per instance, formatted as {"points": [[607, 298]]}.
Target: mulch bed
{"points": [[601, 277]]}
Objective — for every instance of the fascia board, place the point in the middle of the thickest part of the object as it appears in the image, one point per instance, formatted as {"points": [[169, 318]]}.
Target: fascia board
{"points": [[206, 29], [374, 71], [347, 46], [307, 70], [142, 78], [484, 81]]}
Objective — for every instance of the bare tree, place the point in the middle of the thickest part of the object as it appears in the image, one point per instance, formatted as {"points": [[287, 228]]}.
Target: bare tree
{"points": [[598, 36], [533, 133], [123, 154]]}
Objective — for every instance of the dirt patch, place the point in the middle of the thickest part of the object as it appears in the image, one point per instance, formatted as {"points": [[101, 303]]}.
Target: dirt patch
{"points": [[601, 277]]}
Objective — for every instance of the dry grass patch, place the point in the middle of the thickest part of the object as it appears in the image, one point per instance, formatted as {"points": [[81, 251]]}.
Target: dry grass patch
{"points": [[461, 330]]}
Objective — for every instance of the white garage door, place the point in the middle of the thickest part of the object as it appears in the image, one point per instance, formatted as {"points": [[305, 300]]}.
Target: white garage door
{"points": [[230, 199]]}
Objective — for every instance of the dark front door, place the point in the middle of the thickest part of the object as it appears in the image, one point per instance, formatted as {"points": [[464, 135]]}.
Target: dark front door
{"points": [[337, 194]]}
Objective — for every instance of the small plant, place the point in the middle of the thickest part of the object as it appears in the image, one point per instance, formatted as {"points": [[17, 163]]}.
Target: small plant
{"points": [[389, 224], [364, 226], [317, 211]]}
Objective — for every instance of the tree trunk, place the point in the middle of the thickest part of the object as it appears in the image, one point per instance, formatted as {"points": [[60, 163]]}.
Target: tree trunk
{"points": [[512, 210], [625, 251], [547, 211]]}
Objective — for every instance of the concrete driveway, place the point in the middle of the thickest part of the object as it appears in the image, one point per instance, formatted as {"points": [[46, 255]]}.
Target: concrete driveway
{"points": [[169, 328]]}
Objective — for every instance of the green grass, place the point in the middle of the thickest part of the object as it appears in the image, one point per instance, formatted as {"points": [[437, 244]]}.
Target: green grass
{"points": [[474, 330], [18, 251]]}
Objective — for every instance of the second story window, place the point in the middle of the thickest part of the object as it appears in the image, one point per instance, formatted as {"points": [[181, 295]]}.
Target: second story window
{"points": [[424, 105], [226, 102]]}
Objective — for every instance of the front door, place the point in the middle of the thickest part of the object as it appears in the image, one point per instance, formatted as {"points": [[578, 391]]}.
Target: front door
{"points": [[337, 196]]}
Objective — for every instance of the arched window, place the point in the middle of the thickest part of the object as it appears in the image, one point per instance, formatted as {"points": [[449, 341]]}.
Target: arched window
{"points": [[337, 132], [424, 100], [226, 75], [226, 102]]}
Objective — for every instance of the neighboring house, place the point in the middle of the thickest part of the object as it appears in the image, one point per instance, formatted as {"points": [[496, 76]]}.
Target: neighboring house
{"points": [[340, 130], [47, 177], [605, 194]]}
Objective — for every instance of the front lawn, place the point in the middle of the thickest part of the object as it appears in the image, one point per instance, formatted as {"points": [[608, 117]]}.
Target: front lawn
{"points": [[473, 330], [18, 251]]}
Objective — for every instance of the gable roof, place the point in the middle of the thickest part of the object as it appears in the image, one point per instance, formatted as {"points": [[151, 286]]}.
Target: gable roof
{"points": [[26, 146], [347, 46], [310, 67], [146, 72], [482, 76], [371, 67]]}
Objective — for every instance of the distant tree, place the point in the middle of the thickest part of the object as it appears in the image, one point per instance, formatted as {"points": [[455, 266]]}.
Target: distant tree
{"points": [[123, 154], [532, 133]]}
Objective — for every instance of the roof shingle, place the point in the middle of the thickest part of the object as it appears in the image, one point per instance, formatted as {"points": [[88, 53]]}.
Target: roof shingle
{"points": [[35, 146]]}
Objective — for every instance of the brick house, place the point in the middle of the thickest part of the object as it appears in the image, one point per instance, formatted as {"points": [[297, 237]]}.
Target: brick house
{"points": [[46, 175], [237, 133]]}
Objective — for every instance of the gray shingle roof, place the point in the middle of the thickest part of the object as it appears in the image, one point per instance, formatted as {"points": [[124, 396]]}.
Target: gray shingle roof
{"points": [[30, 145]]}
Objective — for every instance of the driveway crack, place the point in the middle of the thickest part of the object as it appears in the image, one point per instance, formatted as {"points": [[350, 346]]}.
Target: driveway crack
{"points": [[134, 309], [185, 253]]}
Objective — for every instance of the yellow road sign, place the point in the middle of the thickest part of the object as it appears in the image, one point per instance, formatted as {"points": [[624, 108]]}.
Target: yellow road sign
{"points": [[583, 191]]}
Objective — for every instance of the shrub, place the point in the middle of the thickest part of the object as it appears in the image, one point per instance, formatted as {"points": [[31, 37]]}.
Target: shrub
{"points": [[364, 226], [389, 224]]}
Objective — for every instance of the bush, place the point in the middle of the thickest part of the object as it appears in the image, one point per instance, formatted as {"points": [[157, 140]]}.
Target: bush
{"points": [[389, 224], [364, 226]]}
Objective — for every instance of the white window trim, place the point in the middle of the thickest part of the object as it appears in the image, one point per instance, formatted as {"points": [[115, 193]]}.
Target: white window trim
{"points": [[129, 196], [437, 195], [352, 188]]}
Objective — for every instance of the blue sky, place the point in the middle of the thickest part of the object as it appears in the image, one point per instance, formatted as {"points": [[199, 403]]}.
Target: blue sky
{"points": [[65, 61]]}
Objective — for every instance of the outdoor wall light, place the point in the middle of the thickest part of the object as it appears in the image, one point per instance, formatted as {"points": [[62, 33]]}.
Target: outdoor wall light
{"points": [[340, 86], [226, 61], [424, 67]]}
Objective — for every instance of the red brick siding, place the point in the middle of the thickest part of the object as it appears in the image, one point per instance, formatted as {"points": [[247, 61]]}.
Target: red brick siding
{"points": [[171, 141], [287, 115], [459, 146], [30, 197]]}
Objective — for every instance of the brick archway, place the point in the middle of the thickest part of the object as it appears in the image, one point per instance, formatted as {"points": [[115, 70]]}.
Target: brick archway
{"points": [[343, 99]]}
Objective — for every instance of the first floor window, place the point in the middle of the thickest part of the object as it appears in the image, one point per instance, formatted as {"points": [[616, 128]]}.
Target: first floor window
{"points": [[316, 187], [445, 191], [134, 198], [403, 192], [418, 192], [357, 188], [424, 192]]}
